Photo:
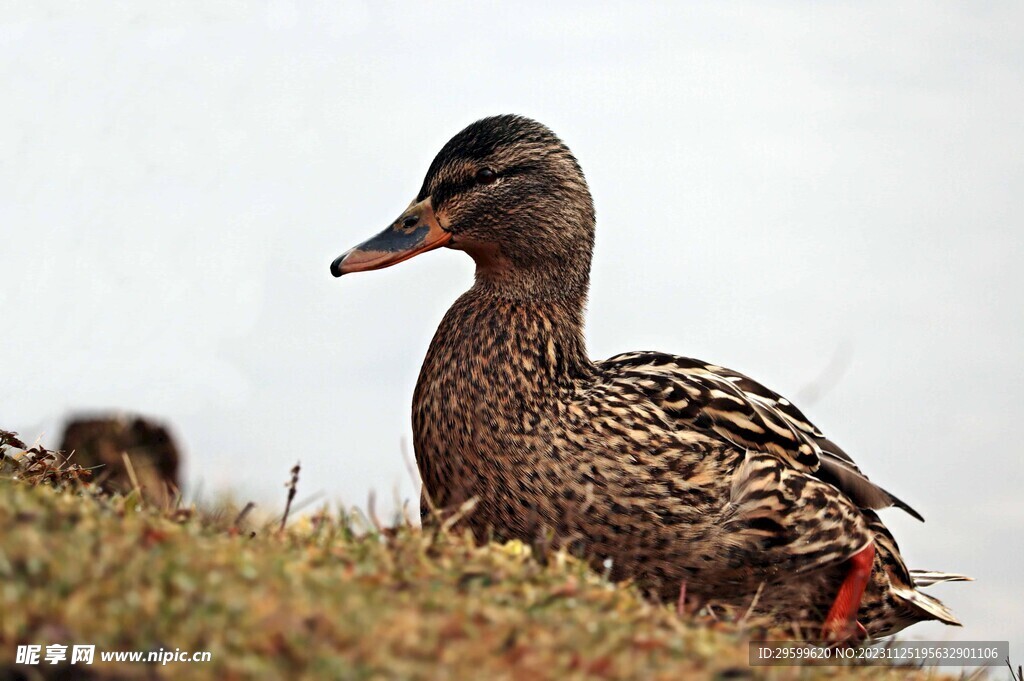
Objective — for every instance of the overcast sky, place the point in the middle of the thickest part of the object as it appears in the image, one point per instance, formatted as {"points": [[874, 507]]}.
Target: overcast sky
{"points": [[825, 196]]}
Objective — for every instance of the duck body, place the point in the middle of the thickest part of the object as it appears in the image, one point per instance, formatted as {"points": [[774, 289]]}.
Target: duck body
{"points": [[619, 460], [674, 470]]}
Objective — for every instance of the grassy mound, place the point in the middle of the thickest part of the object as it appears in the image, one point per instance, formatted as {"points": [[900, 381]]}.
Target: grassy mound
{"points": [[326, 597]]}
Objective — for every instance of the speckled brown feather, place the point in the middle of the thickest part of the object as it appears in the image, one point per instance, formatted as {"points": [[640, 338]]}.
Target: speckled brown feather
{"points": [[549, 443], [673, 469]]}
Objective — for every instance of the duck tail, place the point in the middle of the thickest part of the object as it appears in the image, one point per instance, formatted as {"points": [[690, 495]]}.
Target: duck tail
{"points": [[929, 577], [932, 608]]}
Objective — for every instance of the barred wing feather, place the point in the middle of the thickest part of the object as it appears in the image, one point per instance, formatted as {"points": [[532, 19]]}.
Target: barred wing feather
{"points": [[743, 412]]}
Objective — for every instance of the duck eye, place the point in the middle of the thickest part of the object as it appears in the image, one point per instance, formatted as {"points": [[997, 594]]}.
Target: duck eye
{"points": [[486, 176]]}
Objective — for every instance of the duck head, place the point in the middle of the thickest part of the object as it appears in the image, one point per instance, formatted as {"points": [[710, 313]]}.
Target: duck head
{"points": [[509, 193]]}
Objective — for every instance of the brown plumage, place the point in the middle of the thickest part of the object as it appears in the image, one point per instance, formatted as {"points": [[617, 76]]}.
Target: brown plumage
{"points": [[676, 470]]}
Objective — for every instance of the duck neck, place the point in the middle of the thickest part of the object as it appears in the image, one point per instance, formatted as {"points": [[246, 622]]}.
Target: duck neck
{"points": [[507, 337], [564, 278], [498, 368]]}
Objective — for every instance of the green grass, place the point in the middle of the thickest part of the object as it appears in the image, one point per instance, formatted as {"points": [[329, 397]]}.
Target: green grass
{"points": [[328, 597]]}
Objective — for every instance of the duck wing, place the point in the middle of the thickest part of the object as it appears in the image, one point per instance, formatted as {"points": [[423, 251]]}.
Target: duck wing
{"points": [[749, 415]]}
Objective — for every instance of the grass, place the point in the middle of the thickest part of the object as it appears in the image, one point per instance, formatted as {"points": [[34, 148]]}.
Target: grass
{"points": [[329, 596]]}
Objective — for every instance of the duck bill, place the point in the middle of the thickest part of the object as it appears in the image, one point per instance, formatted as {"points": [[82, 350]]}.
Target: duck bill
{"points": [[416, 231]]}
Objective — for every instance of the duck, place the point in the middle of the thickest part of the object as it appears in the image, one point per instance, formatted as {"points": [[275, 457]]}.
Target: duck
{"points": [[679, 475]]}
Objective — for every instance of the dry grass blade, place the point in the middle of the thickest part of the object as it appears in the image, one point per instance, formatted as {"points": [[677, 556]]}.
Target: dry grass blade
{"points": [[371, 511], [753, 604], [242, 514], [293, 486], [131, 473]]}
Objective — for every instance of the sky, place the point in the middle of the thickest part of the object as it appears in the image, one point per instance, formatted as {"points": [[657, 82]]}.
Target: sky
{"points": [[824, 196]]}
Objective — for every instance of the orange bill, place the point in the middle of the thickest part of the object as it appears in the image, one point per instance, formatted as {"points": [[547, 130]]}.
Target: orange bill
{"points": [[417, 231]]}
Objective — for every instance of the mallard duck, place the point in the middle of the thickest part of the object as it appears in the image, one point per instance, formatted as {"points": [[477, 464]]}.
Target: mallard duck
{"points": [[675, 471]]}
